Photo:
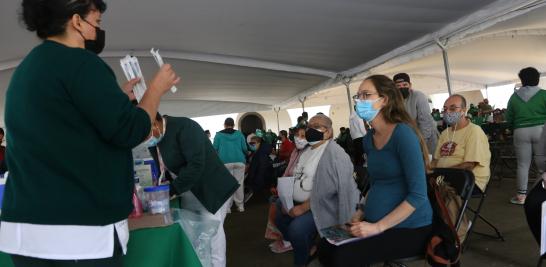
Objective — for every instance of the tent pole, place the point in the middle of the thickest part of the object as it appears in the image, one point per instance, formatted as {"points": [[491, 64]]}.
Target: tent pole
{"points": [[347, 83], [302, 101], [277, 109], [487, 91], [446, 66]]}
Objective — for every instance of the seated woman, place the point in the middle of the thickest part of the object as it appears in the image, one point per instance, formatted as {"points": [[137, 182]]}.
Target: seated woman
{"points": [[272, 232], [325, 193], [260, 168], [397, 216]]}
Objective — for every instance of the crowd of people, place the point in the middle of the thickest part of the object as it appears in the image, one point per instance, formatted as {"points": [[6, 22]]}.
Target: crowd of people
{"points": [[398, 156]]}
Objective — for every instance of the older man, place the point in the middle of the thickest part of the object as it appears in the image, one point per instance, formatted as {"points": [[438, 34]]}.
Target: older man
{"points": [[463, 145], [418, 108]]}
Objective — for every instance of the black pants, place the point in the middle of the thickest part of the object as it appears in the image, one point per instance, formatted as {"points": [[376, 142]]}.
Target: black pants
{"points": [[393, 244], [533, 209], [115, 261]]}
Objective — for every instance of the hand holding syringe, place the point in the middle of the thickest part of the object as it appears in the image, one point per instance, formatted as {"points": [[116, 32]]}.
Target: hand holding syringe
{"points": [[159, 61]]}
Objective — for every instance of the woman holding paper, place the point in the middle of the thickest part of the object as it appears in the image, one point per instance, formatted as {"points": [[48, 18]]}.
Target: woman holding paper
{"points": [[324, 191], [272, 232], [397, 216], [71, 130]]}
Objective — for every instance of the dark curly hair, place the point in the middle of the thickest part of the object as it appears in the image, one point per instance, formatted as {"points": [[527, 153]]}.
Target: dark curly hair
{"points": [[49, 17], [529, 76]]}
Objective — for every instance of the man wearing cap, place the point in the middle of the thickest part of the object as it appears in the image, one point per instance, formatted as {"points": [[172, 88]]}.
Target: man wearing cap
{"points": [[418, 108]]}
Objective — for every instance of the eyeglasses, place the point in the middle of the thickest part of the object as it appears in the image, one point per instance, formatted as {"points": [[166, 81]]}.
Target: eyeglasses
{"points": [[363, 96], [451, 108]]}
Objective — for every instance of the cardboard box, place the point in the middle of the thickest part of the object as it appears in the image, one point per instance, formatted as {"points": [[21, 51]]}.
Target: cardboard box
{"points": [[148, 220]]}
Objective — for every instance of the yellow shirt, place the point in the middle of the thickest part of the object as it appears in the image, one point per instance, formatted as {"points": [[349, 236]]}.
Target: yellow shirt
{"points": [[468, 144]]}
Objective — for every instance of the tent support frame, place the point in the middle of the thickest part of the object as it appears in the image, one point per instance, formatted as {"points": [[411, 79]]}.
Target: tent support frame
{"points": [[446, 65]]}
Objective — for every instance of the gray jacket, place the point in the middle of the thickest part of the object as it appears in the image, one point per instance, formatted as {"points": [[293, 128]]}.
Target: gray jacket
{"points": [[418, 108], [334, 195]]}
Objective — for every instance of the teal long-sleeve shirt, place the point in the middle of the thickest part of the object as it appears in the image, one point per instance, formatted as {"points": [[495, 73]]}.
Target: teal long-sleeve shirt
{"points": [[397, 174]]}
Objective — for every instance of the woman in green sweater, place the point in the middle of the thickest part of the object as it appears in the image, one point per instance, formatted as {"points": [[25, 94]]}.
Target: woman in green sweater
{"points": [[71, 129], [526, 115]]}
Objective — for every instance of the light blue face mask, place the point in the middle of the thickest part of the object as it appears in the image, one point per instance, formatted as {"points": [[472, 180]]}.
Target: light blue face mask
{"points": [[253, 148], [365, 109], [153, 141]]}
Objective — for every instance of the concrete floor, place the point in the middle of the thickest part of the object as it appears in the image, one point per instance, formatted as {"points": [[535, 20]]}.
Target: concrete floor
{"points": [[247, 246]]}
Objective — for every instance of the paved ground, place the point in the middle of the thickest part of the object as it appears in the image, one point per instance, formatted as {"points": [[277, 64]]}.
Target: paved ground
{"points": [[247, 246]]}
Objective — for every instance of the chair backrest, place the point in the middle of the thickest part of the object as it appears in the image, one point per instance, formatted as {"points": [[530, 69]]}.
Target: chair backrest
{"points": [[462, 181]]}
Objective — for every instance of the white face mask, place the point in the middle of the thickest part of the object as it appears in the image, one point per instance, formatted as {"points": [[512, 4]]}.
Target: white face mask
{"points": [[301, 143]]}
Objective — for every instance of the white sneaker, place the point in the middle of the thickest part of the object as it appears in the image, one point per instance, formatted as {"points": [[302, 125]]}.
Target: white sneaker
{"points": [[240, 209]]}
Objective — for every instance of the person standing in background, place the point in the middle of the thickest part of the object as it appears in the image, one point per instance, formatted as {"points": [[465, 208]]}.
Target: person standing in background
{"points": [[232, 150], [417, 106], [526, 115]]}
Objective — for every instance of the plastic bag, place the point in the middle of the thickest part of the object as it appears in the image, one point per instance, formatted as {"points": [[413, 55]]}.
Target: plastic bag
{"points": [[199, 228], [199, 225]]}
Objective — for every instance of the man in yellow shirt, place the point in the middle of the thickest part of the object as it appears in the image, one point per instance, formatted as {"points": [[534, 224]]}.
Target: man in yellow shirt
{"points": [[463, 145]]}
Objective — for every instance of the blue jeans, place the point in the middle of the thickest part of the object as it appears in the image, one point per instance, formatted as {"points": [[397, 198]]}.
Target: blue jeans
{"points": [[300, 231]]}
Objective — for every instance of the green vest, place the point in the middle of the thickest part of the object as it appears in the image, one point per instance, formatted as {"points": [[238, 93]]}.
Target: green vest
{"points": [[187, 152]]}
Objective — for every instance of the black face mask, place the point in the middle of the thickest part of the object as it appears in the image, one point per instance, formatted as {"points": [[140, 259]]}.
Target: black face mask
{"points": [[96, 46], [313, 135], [405, 92]]}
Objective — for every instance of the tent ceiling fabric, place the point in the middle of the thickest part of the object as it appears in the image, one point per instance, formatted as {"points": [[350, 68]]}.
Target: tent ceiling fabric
{"points": [[489, 59], [217, 82], [321, 37]]}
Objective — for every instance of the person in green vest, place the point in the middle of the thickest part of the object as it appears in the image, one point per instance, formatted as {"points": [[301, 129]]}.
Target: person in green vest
{"points": [[71, 129], [201, 179], [526, 115]]}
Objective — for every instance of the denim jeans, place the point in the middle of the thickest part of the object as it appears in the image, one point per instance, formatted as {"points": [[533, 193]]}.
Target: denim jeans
{"points": [[300, 231]]}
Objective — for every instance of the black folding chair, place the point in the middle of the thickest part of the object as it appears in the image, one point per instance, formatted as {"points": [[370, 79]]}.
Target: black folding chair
{"points": [[462, 182], [478, 194]]}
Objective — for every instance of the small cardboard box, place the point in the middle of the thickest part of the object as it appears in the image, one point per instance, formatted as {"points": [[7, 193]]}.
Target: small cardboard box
{"points": [[148, 220]]}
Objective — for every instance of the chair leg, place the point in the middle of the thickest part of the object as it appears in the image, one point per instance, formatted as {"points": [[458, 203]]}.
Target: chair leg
{"points": [[475, 218], [498, 234]]}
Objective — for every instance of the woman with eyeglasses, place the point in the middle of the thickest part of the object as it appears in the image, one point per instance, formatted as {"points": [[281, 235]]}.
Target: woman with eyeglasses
{"points": [[325, 193], [396, 219], [71, 129]]}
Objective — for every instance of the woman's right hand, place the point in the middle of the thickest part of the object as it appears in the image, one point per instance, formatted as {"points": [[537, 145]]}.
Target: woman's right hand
{"points": [[357, 217], [164, 79]]}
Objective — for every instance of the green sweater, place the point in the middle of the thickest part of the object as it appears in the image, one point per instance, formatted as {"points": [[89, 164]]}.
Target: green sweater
{"points": [[522, 114], [70, 133], [187, 152]]}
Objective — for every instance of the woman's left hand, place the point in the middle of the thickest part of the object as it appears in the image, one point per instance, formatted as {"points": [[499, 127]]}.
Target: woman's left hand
{"points": [[296, 211], [365, 229], [128, 88]]}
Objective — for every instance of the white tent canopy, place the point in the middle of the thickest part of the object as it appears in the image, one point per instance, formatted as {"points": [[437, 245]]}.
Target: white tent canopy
{"points": [[237, 56]]}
